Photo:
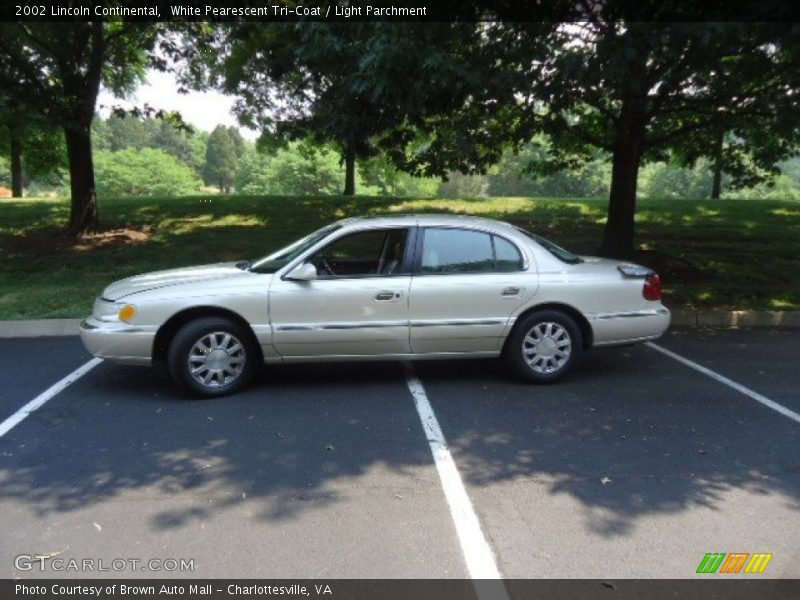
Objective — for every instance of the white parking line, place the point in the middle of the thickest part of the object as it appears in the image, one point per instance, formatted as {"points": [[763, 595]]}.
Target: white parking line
{"points": [[780, 408], [477, 552], [54, 389]]}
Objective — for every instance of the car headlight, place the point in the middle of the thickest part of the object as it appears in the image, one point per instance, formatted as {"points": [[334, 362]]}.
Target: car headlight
{"points": [[109, 311]]}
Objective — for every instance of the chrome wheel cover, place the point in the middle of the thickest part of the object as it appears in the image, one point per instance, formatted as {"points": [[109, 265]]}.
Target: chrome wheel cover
{"points": [[547, 347], [217, 359]]}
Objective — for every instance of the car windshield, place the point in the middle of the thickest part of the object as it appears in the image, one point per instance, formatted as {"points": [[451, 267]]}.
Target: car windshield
{"points": [[557, 251], [281, 258]]}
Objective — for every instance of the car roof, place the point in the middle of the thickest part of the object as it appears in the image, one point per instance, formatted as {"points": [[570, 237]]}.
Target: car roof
{"points": [[433, 220]]}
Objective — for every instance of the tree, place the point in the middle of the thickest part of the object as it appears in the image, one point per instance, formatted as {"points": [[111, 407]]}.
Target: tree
{"points": [[143, 172], [127, 131], [31, 143], [361, 87], [12, 119], [637, 89], [747, 152], [56, 69], [295, 170], [221, 159]]}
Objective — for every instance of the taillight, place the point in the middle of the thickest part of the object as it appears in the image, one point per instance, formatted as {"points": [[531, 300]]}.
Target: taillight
{"points": [[652, 287]]}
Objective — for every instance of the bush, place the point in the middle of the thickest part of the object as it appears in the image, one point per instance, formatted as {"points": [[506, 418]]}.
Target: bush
{"points": [[459, 185], [290, 171], [142, 172], [669, 180]]}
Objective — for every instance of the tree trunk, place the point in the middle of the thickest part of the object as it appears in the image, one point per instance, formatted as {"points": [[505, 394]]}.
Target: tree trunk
{"points": [[349, 173], [84, 216], [16, 164], [618, 235], [628, 148], [716, 186]]}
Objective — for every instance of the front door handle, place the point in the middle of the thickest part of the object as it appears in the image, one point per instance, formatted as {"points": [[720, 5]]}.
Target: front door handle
{"points": [[387, 295]]}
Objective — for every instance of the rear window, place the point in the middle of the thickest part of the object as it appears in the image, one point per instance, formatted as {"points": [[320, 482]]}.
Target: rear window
{"points": [[557, 251]]}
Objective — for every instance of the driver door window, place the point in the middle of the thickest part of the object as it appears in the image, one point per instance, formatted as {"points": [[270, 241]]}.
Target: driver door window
{"points": [[373, 253]]}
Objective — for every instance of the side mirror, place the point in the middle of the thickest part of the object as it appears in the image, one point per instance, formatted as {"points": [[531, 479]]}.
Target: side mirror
{"points": [[304, 272]]}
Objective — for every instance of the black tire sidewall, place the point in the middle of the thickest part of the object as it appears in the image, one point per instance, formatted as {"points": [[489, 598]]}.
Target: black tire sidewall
{"points": [[189, 334], [513, 349]]}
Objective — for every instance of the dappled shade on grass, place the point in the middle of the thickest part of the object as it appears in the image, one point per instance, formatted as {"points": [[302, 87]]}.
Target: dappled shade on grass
{"points": [[730, 254]]}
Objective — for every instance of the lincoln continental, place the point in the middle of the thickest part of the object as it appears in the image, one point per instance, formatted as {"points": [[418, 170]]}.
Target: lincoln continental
{"points": [[405, 287]]}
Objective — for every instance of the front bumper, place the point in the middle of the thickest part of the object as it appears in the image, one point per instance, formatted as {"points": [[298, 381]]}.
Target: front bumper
{"points": [[119, 342]]}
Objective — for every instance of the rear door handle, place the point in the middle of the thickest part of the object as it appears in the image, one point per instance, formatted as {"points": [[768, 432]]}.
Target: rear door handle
{"points": [[511, 291], [387, 295]]}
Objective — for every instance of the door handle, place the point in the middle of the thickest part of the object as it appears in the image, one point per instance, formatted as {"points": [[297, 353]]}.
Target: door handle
{"points": [[511, 291], [387, 295]]}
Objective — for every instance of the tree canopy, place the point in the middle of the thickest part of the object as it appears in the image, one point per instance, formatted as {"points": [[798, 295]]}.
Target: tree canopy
{"points": [[363, 87], [637, 89]]}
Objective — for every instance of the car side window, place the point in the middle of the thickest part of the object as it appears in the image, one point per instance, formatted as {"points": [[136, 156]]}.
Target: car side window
{"points": [[447, 250], [507, 256], [374, 252]]}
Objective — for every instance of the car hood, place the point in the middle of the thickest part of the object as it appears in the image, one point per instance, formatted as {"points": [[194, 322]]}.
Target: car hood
{"points": [[170, 277]]}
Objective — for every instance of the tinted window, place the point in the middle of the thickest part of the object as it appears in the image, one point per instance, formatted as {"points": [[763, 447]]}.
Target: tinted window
{"points": [[374, 252], [281, 258], [507, 257], [557, 251], [465, 251]]}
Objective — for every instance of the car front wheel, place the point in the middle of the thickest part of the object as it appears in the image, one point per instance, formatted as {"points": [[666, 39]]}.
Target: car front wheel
{"points": [[212, 357], [544, 346]]}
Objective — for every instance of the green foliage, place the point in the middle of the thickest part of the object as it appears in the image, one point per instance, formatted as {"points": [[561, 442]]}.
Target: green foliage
{"points": [[143, 172], [294, 170], [43, 152], [365, 88], [781, 187], [670, 180], [130, 132], [221, 159], [459, 185], [56, 69], [119, 133], [5, 172], [521, 174], [639, 89], [382, 177]]}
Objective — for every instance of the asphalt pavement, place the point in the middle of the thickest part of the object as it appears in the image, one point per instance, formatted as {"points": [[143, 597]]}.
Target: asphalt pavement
{"points": [[635, 466]]}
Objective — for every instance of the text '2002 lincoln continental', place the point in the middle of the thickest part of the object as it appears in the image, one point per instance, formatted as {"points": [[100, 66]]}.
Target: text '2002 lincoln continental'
{"points": [[400, 287]]}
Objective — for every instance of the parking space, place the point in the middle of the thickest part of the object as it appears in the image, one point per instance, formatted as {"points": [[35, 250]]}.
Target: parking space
{"points": [[314, 472], [765, 360], [635, 466], [33, 365]]}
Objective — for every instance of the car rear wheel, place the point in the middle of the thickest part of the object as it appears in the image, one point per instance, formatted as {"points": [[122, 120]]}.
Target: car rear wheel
{"points": [[212, 357], [544, 346]]}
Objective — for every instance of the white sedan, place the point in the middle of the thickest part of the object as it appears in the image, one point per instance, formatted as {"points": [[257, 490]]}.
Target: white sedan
{"points": [[387, 288]]}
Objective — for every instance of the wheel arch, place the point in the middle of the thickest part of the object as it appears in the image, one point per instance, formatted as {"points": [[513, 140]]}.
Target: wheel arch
{"points": [[167, 331], [580, 320]]}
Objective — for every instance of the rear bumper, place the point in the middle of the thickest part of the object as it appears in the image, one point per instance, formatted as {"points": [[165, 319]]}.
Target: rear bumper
{"points": [[118, 342], [610, 329]]}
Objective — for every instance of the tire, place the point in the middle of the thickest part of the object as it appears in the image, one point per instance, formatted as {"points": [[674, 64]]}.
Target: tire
{"points": [[212, 357], [561, 345]]}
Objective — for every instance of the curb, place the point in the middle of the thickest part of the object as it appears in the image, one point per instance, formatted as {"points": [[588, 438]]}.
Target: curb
{"points": [[40, 328], [783, 319], [680, 318]]}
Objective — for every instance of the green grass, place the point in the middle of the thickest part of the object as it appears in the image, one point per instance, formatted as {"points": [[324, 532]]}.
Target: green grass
{"points": [[729, 254]]}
